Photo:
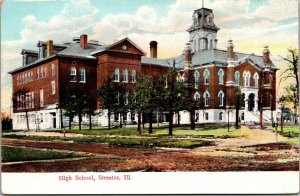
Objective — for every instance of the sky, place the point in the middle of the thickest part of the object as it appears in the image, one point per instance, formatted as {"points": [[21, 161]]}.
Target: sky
{"points": [[251, 24]]}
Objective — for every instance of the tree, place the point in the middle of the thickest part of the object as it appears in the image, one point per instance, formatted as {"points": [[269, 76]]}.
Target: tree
{"points": [[239, 99], [108, 96], [90, 106], [292, 97], [21, 100], [68, 105], [6, 121], [282, 100]]}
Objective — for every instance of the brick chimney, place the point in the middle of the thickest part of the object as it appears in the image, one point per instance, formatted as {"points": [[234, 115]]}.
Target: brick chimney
{"points": [[266, 55], [83, 41], [230, 52], [188, 56], [153, 49], [49, 47]]}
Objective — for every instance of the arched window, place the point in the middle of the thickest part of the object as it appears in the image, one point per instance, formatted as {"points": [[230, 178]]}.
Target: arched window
{"points": [[237, 78], [206, 98], [125, 76], [220, 116], [117, 75], [255, 77], [73, 74], [133, 76], [82, 75], [196, 78], [221, 76], [247, 76], [206, 75], [221, 98], [196, 96]]}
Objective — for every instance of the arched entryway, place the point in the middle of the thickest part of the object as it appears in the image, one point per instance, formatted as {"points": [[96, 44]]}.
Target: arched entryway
{"points": [[251, 101]]}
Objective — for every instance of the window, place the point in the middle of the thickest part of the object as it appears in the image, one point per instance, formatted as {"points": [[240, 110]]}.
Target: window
{"points": [[117, 75], [237, 78], [247, 76], [18, 81], [132, 116], [206, 98], [126, 98], [53, 87], [44, 72], [32, 99], [125, 76], [220, 116], [31, 76], [82, 75], [133, 76], [256, 77], [25, 78], [124, 116], [221, 76], [196, 77], [116, 117], [270, 80], [41, 98], [211, 44], [206, 116], [197, 96], [206, 76], [221, 98], [73, 74], [205, 44], [53, 69]]}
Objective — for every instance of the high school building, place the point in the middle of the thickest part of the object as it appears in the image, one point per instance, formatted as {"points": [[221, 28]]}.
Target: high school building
{"points": [[214, 73]]}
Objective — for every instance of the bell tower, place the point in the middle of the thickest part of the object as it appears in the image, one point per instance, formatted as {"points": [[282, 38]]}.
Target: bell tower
{"points": [[203, 32]]}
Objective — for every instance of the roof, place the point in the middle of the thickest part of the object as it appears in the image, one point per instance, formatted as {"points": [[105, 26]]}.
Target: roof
{"points": [[74, 50], [24, 51]]}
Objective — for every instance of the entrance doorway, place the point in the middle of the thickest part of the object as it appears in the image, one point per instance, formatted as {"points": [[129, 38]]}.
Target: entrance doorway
{"points": [[251, 101]]}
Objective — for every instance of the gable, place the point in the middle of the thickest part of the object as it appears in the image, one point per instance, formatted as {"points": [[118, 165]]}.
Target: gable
{"points": [[126, 46]]}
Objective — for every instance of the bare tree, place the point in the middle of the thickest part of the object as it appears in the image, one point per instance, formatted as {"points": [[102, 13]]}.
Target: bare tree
{"points": [[21, 101]]}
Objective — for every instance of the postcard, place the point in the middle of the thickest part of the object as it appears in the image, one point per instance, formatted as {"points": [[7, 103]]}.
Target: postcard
{"points": [[149, 97]]}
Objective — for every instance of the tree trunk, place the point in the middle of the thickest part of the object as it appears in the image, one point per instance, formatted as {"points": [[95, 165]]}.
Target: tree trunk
{"points": [[108, 114], [79, 116], [237, 118], [192, 112], [27, 120], [143, 120], [150, 122], [90, 118], [70, 120], [121, 118], [171, 123], [61, 119], [139, 123], [281, 123], [178, 121]]}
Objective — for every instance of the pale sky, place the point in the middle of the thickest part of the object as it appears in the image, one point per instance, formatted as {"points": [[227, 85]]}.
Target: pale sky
{"points": [[251, 24]]}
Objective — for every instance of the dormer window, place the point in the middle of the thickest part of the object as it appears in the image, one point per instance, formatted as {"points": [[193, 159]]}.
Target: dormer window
{"points": [[42, 52], [73, 74]]}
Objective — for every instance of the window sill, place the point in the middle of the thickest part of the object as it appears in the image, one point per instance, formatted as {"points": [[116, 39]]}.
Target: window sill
{"points": [[82, 81], [73, 81], [116, 81], [124, 82]]}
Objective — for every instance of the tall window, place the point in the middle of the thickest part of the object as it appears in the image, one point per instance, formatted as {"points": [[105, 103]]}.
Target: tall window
{"points": [[18, 81], [237, 78], [196, 77], [221, 76], [211, 44], [206, 98], [220, 116], [206, 76], [53, 69], [247, 76], [117, 75], [32, 99], [256, 77], [206, 116], [270, 80], [53, 87], [82, 75], [41, 97], [125, 76], [133, 76], [44, 72], [126, 98], [221, 98], [31, 76], [197, 96], [73, 74]]}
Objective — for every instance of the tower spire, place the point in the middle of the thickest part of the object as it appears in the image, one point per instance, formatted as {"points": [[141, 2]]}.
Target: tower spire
{"points": [[202, 3]]}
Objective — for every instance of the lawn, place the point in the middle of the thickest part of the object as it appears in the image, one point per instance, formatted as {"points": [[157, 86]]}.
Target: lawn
{"points": [[118, 131], [292, 132], [11, 154]]}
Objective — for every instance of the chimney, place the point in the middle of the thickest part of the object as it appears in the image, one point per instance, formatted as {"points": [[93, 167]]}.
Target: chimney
{"points": [[188, 56], [83, 41], [266, 55], [230, 53], [49, 47], [153, 49]]}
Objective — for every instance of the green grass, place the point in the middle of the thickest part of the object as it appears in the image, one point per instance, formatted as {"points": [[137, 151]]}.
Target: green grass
{"points": [[125, 142], [10, 154], [292, 132]]}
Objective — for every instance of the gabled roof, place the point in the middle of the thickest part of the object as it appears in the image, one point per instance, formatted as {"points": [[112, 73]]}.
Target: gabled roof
{"points": [[26, 51], [74, 50]]}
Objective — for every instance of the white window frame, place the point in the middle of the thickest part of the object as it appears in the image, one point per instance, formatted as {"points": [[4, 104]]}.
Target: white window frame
{"points": [[82, 75], [247, 77], [125, 76], [53, 87], [197, 96], [221, 76], [221, 98], [117, 75], [196, 78], [237, 78], [73, 74], [53, 69], [206, 97], [206, 75], [256, 80], [221, 115], [133, 76], [41, 97]]}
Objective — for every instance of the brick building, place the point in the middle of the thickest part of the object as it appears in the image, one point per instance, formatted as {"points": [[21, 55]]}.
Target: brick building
{"points": [[86, 64]]}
